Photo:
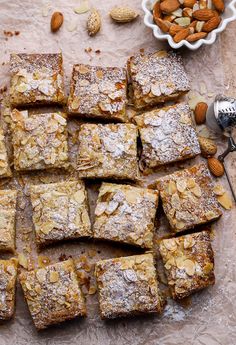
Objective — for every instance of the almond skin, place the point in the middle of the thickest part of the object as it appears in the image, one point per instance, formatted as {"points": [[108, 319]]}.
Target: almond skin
{"points": [[181, 35], [189, 3], [211, 24], [204, 14], [200, 113], [164, 25], [156, 12], [56, 21], [219, 5], [215, 167], [208, 147], [168, 6], [174, 29], [197, 36]]}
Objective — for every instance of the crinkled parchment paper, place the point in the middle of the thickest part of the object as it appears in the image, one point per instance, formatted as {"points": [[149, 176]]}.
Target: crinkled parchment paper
{"points": [[209, 316]]}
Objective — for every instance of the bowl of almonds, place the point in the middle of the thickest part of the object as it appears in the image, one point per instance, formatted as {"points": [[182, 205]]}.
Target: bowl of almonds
{"points": [[189, 23]]}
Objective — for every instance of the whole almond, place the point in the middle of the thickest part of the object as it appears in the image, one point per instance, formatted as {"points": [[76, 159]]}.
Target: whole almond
{"points": [[56, 21], [123, 14], [93, 23], [156, 12], [219, 5], [174, 29], [168, 6], [164, 25], [195, 37], [204, 14], [181, 35], [215, 166], [208, 147], [211, 24], [200, 113], [189, 3]]}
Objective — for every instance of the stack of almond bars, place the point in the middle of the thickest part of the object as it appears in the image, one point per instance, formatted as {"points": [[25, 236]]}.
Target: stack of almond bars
{"points": [[109, 150]]}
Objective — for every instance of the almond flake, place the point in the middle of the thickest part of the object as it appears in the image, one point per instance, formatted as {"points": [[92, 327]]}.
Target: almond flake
{"points": [[208, 268], [170, 244], [83, 8], [218, 189], [189, 267], [188, 242], [181, 185], [225, 201], [197, 191], [54, 277]]}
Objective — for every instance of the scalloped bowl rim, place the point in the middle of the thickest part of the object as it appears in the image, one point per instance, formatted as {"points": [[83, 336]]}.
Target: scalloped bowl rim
{"points": [[148, 21]]}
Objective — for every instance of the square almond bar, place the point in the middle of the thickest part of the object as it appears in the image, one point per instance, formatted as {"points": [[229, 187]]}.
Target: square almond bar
{"points": [[60, 211], [8, 274], [125, 214], [5, 170], [128, 286], [157, 77], [36, 79], [53, 294], [7, 219], [39, 140], [189, 263], [167, 135], [98, 92], [108, 151], [188, 198]]}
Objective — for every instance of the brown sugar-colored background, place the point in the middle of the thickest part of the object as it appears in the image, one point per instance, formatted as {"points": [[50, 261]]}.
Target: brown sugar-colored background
{"points": [[209, 316]]}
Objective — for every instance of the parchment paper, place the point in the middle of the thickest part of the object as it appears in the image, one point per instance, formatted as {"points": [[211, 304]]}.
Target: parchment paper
{"points": [[209, 316]]}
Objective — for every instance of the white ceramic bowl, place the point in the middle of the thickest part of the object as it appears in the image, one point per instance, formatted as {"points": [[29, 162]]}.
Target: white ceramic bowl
{"points": [[228, 16]]}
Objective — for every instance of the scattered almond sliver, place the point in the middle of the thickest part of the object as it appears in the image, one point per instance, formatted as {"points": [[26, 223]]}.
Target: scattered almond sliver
{"points": [[225, 201], [83, 8]]}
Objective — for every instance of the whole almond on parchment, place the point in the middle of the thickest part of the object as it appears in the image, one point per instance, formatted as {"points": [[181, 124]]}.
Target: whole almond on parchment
{"points": [[207, 146], [215, 166], [200, 113], [181, 35], [195, 37], [211, 24], [93, 22], [123, 14], [204, 14], [56, 21], [168, 6], [219, 5]]}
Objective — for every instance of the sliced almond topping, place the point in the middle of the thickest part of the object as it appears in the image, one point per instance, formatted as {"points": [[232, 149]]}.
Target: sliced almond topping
{"points": [[210, 215], [79, 197], [75, 104], [191, 182], [54, 277], [180, 225], [171, 187], [197, 191], [188, 242], [189, 267], [208, 268], [170, 244], [181, 185]]}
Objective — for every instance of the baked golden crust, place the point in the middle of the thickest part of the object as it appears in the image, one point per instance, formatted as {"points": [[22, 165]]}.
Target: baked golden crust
{"points": [[98, 92], [189, 263], [108, 151], [167, 135], [60, 211], [53, 294], [5, 170], [8, 273], [39, 140], [157, 77], [128, 286], [188, 198], [36, 79], [7, 219], [125, 214]]}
